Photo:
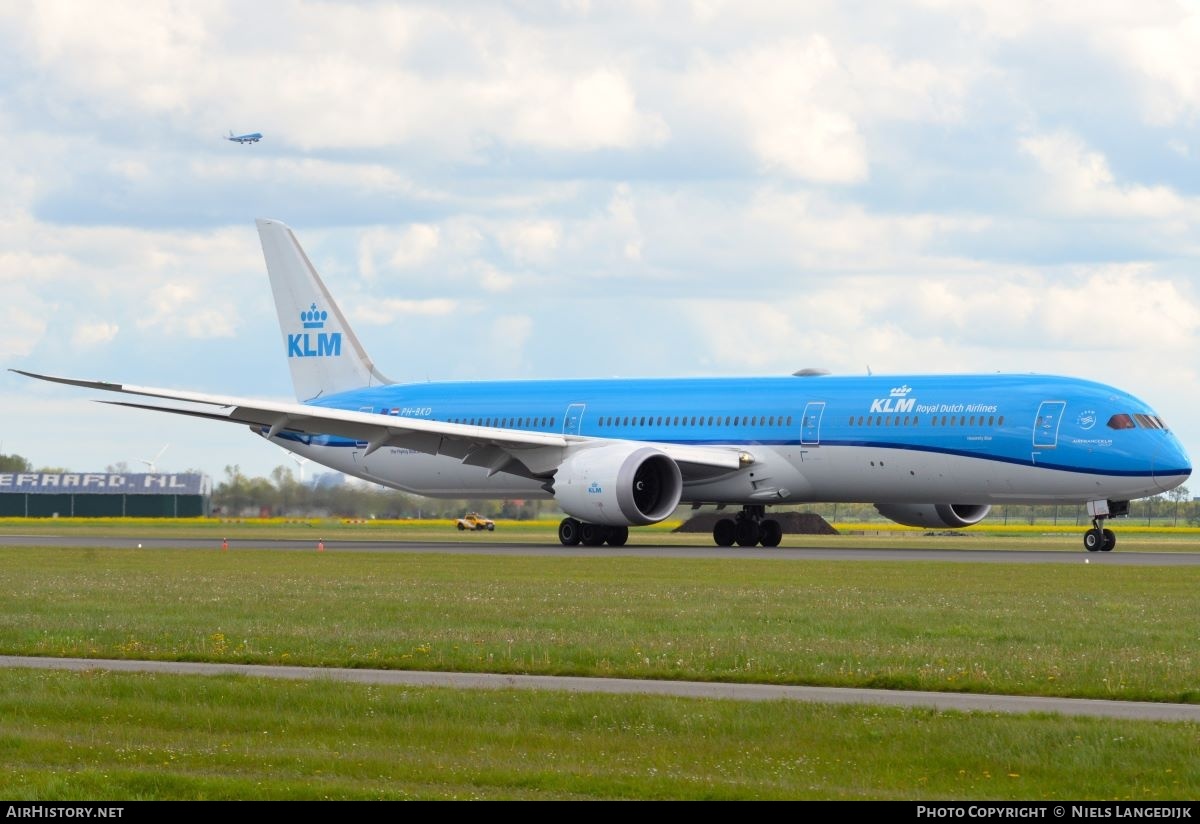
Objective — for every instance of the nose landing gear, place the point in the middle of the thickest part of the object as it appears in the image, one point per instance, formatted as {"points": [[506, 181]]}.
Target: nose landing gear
{"points": [[1099, 539]]}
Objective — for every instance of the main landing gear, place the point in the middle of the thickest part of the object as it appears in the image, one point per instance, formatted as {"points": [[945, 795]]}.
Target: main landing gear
{"points": [[572, 533], [748, 529]]}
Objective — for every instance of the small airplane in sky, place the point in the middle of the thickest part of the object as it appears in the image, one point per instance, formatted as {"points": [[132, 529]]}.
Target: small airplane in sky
{"points": [[253, 137]]}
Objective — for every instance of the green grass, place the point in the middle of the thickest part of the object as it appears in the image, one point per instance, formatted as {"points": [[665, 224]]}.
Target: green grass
{"points": [[1060, 629], [125, 737]]}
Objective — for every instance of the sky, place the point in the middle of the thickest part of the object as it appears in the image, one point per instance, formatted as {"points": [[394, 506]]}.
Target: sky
{"points": [[580, 189]]}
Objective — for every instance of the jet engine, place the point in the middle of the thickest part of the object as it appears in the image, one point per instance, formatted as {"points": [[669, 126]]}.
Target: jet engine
{"points": [[935, 515], [618, 485]]}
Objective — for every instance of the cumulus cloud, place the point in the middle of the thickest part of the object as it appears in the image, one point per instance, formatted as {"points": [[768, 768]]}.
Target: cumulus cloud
{"points": [[531, 241], [345, 76], [988, 321], [1081, 183], [22, 324], [710, 187], [779, 93], [95, 333], [183, 309], [508, 337], [394, 310], [1163, 52], [415, 246]]}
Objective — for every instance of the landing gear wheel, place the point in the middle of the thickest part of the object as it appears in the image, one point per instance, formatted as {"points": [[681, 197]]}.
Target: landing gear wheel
{"points": [[569, 531], [1093, 540], [618, 535], [724, 532], [1110, 541], [592, 534], [747, 532], [771, 533]]}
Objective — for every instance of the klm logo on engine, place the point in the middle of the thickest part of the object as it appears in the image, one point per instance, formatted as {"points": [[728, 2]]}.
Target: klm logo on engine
{"points": [[595, 488], [314, 344], [897, 401]]}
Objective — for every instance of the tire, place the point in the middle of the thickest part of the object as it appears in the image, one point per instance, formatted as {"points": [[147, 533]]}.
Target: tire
{"points": [[747, 532], [1110, 541], [618, 535], [461, 527], [569, 531], [1093, 539], [593, 534], [724, 532], [491, 527], [771, 533]]}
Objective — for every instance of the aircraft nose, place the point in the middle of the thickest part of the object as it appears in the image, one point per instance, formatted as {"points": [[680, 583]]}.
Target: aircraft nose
{"points": [[1171, 465]]}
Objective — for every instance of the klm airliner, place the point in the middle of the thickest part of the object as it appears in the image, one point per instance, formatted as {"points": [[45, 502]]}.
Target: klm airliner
{"points": [[926, 450], [253, 137]]}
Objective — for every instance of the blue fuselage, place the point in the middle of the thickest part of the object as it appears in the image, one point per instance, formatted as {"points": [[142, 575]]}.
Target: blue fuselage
{"points": [[909, 437]]}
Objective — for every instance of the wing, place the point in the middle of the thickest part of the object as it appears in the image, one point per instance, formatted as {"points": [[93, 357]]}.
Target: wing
{"points": [[535, 454]]}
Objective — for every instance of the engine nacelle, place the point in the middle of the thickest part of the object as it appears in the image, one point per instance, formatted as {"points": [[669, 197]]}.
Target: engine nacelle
{"points": [[618, 485], [935, 515]]}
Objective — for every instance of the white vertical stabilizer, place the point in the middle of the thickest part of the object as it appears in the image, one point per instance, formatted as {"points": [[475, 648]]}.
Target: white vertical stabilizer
{"points": [[324, 355]]}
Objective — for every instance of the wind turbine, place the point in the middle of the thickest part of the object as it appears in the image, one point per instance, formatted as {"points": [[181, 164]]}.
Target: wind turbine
{"points": [[150, 463]]}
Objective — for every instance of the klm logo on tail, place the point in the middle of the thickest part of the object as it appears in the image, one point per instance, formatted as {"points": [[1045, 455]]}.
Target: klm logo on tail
{"points": [[314, 344]]}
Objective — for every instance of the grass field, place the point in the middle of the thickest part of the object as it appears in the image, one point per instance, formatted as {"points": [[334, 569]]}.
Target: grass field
{"points": [[1059, 629], [119, 736], [1070, 630]]}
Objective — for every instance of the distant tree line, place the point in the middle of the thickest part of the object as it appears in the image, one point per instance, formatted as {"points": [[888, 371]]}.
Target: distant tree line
{"points": [[283, 495]]}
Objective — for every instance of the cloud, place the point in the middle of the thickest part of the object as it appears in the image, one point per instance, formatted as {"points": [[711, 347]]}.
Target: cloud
{"points": [[1082, 184], [1162, 51], [531, 241], [508, 336], [316, 76], [393, 310], [22, 324], [978, 323], [415, 246], [791, 123], [96, 333], [182, 308], [707, 187]]}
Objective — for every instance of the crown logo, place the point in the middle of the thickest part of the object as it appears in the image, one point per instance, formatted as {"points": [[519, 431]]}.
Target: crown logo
{"points": [[901, 391], [312, 319]]}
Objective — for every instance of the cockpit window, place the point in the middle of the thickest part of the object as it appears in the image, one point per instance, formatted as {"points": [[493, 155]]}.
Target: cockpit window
{"points": [[1121, 421], [1151, 421], [1137, 419]]}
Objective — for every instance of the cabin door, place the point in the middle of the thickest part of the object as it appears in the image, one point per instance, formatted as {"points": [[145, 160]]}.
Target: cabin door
{"points": [[573, 418], [1045, 428], [810, 426]]}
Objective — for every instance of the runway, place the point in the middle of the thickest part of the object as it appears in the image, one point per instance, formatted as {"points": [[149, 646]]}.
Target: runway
{"points": [[963, 702], [491, 547]]}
